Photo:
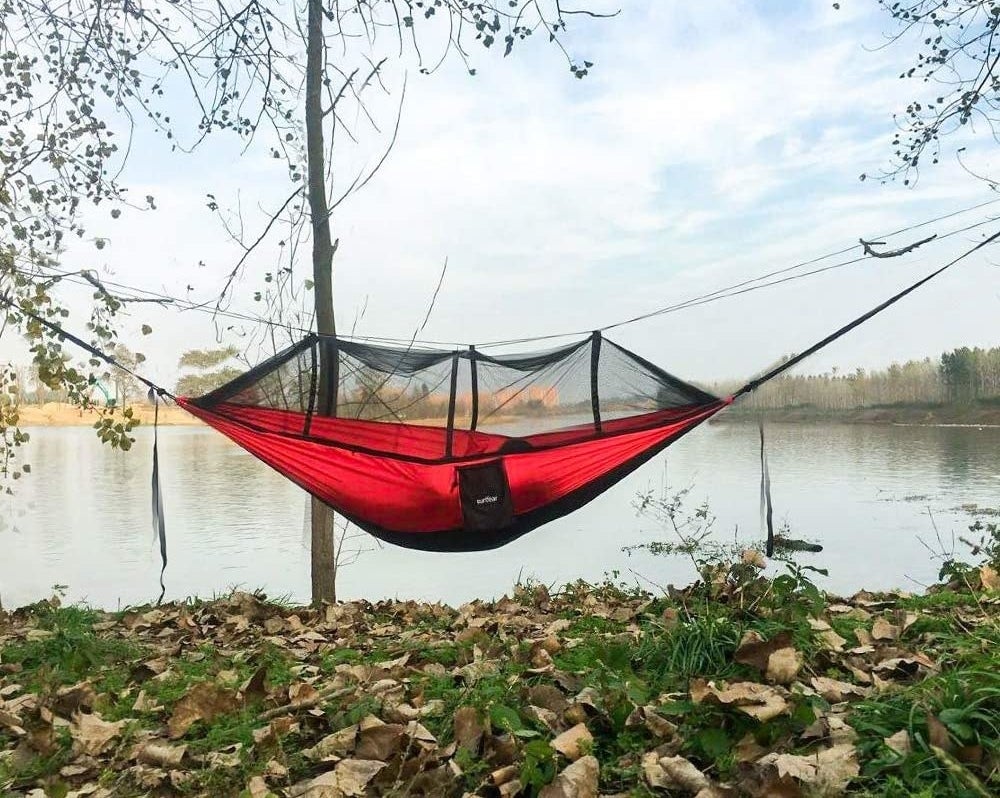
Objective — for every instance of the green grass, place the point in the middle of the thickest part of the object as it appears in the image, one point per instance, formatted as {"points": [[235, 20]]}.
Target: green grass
{"points": [[967, 702], [68, 650], [701, 646]]}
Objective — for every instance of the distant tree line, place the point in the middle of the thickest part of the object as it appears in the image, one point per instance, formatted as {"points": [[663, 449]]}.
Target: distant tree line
{"points": [[961, 376]]}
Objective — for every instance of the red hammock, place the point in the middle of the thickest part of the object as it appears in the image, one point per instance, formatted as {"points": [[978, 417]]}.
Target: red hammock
{"points": [[445, 483]]}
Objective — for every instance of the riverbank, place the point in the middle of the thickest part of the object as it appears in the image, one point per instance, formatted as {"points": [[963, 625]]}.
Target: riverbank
{"points": [[743, 686], [59, 414], [985, 414], [62, 414]]}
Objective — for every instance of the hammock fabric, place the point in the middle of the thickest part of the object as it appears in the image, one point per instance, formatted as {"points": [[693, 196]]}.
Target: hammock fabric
{"points": [[454, 450]]}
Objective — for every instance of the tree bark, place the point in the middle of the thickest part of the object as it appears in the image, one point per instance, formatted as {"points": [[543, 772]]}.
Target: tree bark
{"points": [[323, 555]]}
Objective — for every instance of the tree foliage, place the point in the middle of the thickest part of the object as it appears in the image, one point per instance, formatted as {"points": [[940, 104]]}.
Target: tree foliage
{"points": [[971, 374], [961, 375], [288, 80], [209, 370], [77, 78], [957, 53], [206, 358]]}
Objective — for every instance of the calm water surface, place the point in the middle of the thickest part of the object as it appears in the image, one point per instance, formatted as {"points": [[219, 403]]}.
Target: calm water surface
{"points": [[869, 494]]}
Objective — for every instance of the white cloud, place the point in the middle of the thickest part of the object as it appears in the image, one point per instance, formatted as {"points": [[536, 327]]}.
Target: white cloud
{"points": [[710, 143]]}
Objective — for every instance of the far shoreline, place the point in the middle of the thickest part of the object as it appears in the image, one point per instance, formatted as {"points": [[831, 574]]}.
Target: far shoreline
{"points": [[981, 415], [974, 415]]}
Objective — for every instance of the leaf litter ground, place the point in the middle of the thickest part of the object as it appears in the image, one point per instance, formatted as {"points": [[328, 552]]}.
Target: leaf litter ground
{"points": [[756, 689]]}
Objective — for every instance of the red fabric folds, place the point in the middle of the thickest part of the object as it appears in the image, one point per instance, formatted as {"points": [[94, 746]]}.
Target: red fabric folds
{"points": [[393, 478]]}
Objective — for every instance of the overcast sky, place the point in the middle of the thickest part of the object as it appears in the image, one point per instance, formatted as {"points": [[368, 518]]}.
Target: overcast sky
{"points": [[712, 141]]}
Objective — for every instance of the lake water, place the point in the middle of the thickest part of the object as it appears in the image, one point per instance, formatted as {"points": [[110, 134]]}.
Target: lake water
{"points": [[868, 494]]}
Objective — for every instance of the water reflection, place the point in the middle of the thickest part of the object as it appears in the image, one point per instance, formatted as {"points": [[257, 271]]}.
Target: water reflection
{"points": [[82, 518]]}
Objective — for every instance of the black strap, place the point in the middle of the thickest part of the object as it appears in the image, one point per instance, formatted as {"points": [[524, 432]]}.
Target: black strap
{"points": [[159, 519], [766, 508], [756, 383], [155, 392]]}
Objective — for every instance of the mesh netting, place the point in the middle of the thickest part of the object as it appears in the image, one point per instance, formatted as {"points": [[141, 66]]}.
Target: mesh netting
{"points": [[461, 402]]}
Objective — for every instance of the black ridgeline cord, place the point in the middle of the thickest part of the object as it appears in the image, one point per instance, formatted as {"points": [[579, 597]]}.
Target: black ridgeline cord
{"points": [[756, 383], [89, 348], [735, 289]]}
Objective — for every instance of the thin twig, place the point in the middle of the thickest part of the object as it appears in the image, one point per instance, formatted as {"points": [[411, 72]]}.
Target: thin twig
{"points": [[305, 703]]}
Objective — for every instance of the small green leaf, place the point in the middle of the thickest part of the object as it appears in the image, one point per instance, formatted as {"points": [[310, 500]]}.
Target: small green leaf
{"points": [[505, 718], [714, 742]]}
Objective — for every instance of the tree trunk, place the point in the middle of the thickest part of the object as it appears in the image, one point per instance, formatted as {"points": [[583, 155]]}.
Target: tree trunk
{"points": [[323, 556]]}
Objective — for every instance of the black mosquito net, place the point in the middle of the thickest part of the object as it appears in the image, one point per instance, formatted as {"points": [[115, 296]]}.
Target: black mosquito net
{"points": [[588, 382]]}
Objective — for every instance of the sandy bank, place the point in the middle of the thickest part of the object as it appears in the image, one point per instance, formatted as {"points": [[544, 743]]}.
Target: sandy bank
{"points": [[61, 414]]}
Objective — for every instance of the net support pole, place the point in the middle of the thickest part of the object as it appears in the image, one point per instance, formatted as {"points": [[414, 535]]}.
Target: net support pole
{"points": [[595, 360], [314, 368], [474, 376], [330, 358], [450, 434]]}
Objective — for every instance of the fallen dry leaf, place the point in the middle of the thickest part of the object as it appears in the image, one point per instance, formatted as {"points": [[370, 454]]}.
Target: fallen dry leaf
{"points": [[989, 578], [683, 774], [883, 630], [204, 701], [755, 651], [836, 691], [257, 788], [334, 746], [160, 753], [759, 701], [829, 638], [569, 742], [937, 733], [381, 742], [578, 780], [348, 780], [91, 734], [829, 770], [783, 666], [900, 742], [469, 729]]}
